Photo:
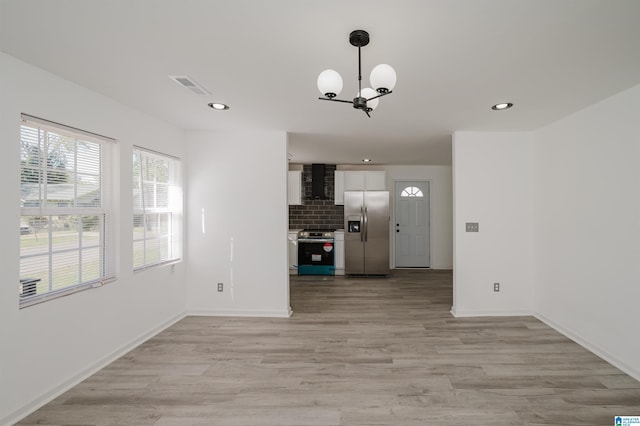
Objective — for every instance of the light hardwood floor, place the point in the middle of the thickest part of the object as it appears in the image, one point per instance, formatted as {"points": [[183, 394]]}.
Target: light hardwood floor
{"points": [[357, 351]]}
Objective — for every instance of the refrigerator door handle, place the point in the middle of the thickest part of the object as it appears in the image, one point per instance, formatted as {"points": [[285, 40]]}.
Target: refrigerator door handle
{"points": [[362, 224], [366, 225]]}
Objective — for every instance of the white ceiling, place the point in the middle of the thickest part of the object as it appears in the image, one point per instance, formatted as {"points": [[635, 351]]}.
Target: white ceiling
{"points": [[454, 59]]}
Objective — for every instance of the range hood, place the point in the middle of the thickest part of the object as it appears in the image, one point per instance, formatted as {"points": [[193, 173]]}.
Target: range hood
{"points": [[317, 182]]}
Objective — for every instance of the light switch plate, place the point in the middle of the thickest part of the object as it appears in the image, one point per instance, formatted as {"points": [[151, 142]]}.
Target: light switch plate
{"points": [[472, 227]]}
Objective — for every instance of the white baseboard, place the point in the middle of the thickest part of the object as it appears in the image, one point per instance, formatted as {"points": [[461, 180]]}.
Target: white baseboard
{"points": [[461, 313], [425, 268], [72, 381], [240, 313], [597, 350], [65, 385]]}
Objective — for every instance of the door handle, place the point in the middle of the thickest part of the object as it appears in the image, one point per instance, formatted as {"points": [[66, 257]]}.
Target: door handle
{"points": [[366, 225]]}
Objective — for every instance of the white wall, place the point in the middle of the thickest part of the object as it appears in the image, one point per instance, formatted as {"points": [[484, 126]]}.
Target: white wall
{"points": [[586, 216], [240, 180], [48, 347], [441, 204], [492, 178]]}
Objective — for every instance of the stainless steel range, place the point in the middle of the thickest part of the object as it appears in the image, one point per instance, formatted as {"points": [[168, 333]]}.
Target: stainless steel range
{"points": [[316, 252]]}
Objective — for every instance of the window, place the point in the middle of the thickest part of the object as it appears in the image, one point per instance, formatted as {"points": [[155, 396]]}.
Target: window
{"points": [[411, 191], [65, 220], [157, 209]]}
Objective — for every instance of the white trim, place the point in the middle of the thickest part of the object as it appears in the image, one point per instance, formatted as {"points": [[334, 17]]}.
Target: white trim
{"points": [[454, 219], [172, 262], [172, 237], [458, 313], [58, 127], [422, 268], [103, 155], [240, 313], [593, 348], [156, 153], [83, 374], [66, 291]]}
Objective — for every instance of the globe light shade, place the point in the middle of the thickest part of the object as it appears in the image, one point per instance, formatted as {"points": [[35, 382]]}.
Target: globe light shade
{"points": [[370, 93], [329, 83], [383, 78]]}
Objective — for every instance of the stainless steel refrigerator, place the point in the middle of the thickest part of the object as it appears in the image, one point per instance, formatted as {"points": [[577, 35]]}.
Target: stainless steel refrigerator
{"points": [[366, 232]]}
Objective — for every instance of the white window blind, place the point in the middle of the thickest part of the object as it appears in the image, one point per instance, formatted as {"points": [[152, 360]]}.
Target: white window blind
{"points": [[65, 201], [157, 208]]}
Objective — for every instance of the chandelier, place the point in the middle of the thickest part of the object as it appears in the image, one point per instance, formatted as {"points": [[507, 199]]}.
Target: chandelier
{"points": [[383, 79]]}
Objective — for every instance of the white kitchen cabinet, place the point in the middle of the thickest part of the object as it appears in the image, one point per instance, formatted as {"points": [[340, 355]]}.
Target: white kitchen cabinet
{"points": [[354, 180], [365, 180], [358, 180], [294, 190], [338, 182], [292, 240], [339, 252], [375, 180]]}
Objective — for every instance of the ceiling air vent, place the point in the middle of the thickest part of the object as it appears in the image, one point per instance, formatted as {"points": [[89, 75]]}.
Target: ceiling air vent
{"points": [[189, 83]]}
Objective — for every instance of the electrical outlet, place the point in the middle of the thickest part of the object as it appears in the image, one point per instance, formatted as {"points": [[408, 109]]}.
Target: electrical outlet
{"points": [[219, 286], [496, 286], [472, 227]]}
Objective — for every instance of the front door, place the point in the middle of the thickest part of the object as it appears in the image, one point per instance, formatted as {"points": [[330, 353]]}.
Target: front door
{"points": [[412, 224]]}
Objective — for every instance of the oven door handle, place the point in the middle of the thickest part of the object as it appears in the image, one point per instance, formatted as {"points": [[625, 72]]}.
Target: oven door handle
{"points": [[315, 240]]}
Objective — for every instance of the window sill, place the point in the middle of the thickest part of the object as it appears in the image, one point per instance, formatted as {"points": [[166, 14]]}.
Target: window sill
{"points": [[36, 300]]}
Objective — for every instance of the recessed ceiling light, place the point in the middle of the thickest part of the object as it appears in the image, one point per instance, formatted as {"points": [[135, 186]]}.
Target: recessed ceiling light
{"points": [[501, 106], [366, 160], [218, 106]]}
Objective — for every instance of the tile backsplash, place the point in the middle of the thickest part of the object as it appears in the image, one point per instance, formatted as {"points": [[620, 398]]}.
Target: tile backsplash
{"points": [[317, 214]]}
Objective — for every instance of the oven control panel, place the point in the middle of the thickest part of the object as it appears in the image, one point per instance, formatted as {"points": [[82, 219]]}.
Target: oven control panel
{"points": [[316, 234]]}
